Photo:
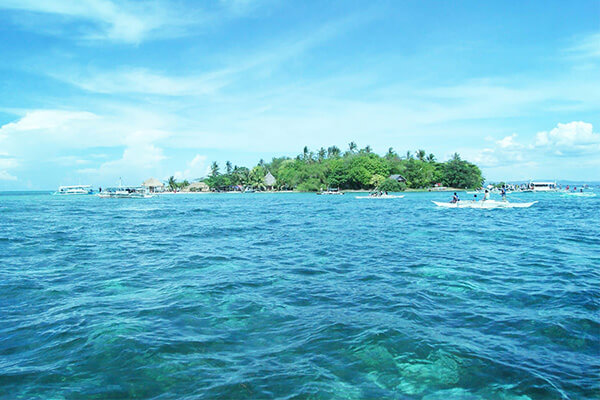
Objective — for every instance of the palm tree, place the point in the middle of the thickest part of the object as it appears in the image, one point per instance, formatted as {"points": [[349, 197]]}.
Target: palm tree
{"points": [[228, 167], [333, 151], [420, 154], [431, 158], [368, 149], [172, 183], [305, 152], [321, 154], [214, 169], [409, 155], [352, 146]]}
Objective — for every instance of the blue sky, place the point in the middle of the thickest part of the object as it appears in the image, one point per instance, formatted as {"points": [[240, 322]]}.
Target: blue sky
{"points": [[94, 90]]}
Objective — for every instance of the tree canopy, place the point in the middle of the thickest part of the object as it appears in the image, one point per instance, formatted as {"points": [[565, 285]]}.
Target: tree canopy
{"points": [[354, 169]]}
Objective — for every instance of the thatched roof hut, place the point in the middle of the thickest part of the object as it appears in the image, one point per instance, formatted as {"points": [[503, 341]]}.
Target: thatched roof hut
{"points": [[197, 187], [153, 185], [269, 180]]}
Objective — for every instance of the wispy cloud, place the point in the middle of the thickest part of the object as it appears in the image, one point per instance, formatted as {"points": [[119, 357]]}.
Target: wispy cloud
{"points": [[122, 21], [7, 162], [585, 47], [144, 81]]}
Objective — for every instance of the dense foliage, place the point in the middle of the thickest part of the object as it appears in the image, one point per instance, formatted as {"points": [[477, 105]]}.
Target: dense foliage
{"points": [[352, 169]]}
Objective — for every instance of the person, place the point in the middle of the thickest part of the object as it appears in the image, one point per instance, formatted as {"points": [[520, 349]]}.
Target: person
{"points": [[474, 197], [485, 195], [580, 190], [503, 193], [455, 198]]}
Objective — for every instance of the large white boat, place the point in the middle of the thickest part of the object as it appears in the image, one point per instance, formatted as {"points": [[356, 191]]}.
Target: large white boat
{"points": [[74, 190], [543, 186]]}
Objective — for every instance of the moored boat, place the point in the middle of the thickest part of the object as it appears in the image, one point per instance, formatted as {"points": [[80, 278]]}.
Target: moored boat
{"points": [[74, 190], [125, 192]]}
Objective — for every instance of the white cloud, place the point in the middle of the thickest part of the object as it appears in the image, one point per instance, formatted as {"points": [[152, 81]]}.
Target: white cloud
{"points": [[140, 80], [45, 120], [137, 161], [7, 162], [51, 129], [569, 142], [573, 138], [124, 21], [196, 168], [5, 176]]}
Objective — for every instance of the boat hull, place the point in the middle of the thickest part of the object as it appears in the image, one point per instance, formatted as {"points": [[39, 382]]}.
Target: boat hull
{"points": [[488, 204]]}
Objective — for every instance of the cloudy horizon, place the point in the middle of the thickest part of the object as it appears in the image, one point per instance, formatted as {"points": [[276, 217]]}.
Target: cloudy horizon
{"points": [[94, 90]]}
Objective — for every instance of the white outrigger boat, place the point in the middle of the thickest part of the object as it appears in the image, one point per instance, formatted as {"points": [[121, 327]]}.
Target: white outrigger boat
{"points": [[581, 194], [487, 204], [74, 190], [331, 192], [125, 192], [383, 196]]}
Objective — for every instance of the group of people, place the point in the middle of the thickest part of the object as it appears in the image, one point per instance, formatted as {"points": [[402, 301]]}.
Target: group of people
{"points": [[379, 194], [486, 195]]}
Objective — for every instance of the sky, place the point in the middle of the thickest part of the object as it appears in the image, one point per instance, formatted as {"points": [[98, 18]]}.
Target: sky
{"points": [[95, 90]]}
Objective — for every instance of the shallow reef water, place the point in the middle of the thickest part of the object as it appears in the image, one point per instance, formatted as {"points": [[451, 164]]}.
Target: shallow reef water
{"points": [[297, 296]]}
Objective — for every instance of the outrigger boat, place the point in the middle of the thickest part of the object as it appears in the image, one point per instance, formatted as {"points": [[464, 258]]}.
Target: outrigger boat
{"points": [[488, 204], [125, 192], [581, 194], [331, 192]]}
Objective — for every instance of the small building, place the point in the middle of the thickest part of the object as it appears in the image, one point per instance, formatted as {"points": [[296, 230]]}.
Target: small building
{"points": [[154, 185], [197, 187], [269, 181], [397, 178]]}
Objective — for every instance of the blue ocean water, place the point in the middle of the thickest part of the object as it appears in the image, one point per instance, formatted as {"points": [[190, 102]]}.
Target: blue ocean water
{"points": [[297, 296]]}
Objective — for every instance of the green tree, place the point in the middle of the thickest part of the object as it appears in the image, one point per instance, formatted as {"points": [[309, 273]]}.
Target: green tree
{"points": [[172, 183], [214, 169]]}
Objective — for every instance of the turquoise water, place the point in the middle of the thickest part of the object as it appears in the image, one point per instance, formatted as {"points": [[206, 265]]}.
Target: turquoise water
{"points": [[297, 296]]}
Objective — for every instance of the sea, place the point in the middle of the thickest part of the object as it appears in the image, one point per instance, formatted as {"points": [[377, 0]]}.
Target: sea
{"points": [[298, 296]]}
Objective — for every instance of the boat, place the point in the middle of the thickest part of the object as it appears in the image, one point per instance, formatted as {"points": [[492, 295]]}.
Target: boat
{"points": [[384, 196], [488, 204], [74, 190], [543, 186], [581, 194], [125, 192], [331, 192]]}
